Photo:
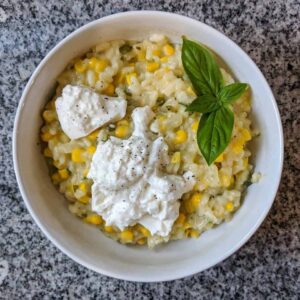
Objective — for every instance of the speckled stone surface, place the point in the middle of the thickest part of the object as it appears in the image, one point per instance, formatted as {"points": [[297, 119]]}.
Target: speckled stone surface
{"points": [[267, 267]]}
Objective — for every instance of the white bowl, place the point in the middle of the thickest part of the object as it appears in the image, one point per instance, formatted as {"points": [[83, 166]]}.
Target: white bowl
{"points": [[86, 244]]}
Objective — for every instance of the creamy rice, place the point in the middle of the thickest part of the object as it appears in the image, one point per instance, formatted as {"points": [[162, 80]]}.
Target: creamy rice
{"points": [[150, 73]]}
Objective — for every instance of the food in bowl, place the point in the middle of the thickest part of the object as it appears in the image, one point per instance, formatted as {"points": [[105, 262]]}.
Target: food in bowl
{"points": [[125, 146]]}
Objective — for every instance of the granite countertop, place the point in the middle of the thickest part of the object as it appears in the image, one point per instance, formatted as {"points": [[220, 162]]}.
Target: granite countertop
{"points": [[267, 267]]}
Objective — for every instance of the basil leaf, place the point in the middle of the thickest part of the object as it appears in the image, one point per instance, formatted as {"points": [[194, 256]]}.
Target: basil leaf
{"points": [[214, 133], [232, 92], [204, 104], [201, 68]]}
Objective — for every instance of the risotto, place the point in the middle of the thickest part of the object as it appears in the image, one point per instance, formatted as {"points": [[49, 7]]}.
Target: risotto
{"points": [[149, 73]]}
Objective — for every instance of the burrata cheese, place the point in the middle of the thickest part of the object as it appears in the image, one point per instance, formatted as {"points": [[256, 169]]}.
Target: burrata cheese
{"points": [[81, 110], [130, 185]]}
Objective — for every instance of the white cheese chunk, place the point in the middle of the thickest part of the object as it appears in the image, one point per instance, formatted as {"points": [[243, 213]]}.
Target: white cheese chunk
{"points": [[80, 110], [129, 183]]}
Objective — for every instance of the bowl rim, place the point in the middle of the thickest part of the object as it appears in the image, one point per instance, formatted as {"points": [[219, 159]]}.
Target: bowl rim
{"points": [[128, 276]]}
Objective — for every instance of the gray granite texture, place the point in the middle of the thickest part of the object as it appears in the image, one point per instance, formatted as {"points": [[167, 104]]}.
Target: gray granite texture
{"points": [[267, 267]]}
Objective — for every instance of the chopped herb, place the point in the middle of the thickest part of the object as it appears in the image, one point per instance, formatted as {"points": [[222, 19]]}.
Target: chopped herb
{"points": [[125, 49], [247, 183], [185, 105], [160, 101], [127, 92]]}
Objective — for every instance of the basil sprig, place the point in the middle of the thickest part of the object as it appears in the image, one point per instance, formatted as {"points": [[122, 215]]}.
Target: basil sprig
{"points": [[213, 99]]}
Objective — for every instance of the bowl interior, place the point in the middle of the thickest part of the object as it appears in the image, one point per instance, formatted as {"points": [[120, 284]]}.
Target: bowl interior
{"points": [[88, 245]]}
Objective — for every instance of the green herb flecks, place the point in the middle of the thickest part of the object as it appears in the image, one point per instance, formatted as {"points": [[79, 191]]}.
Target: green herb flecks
{"points": [[125, 49], [213, 99]]}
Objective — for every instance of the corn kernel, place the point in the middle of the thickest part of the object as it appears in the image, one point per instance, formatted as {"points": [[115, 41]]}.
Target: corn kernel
{"points": [[194, 233], [109, 229], [92, 62], [190, 91], [80, 66], [91, 149], [126, 236], [141, 241], [82, 187], [181, 219], [175, 158], [187, 225], [110, 90], [229, 206], [47, 152], [181, 136], [70, 190], [141, 55], [191, 233], [192, 203], [123, 122], [46, 136], [156, 52], [49, 116], [246, 134], [122, 131], [77, 155], [195, 200], [94, 219], [93, 136], [100, 65], [195, 126], [55, 178], [129, 78], [84, 199], [162, 127], [164, 59], [64, 174], [152, 66], [225, 180], [168, 50], [63, 137], [237, 146], [188, 206], [59, 165], [220, 158], [161, 119], [119, 79], [145, 231]]}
